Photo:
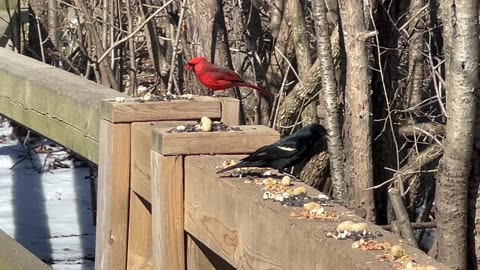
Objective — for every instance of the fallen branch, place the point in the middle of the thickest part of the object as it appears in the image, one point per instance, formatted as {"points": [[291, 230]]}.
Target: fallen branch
{"points": [[305, 91], [412, 168], [411, 130], [415, 226], [402, 216]]}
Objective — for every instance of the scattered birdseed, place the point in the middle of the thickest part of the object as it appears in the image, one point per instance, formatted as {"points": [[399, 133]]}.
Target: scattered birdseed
{"points": [[119, 99], [318, 215], [360, 227], [345, 226], [167, 97], [351, 235], [201, 126], [286, 180], [206, 124], [397, 255]]}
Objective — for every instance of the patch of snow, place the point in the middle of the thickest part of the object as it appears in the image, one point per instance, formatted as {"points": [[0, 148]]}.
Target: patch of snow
{"points": [[48, 213]]}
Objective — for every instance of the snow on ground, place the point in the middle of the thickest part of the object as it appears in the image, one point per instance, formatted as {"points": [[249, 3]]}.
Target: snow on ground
{"points": [[48, 213]]}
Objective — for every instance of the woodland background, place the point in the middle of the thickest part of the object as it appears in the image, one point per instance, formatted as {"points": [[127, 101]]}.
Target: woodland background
{"points": [[396, 83]]}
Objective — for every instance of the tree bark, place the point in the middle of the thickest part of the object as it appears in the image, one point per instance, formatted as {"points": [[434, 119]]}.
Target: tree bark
{"points": [[211, 23], [401, 214], [316, 170], [330, 89], [210, 20], [454, 167], [155, 50], [416, 63], [278, 67], [277, 8], [106, 72], [294, 101], [53, 22], [474, 212], [358, 122], [296, 17]]}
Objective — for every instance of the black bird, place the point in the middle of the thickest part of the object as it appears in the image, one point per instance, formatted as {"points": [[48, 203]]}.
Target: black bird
{"points": [[287, 152]]}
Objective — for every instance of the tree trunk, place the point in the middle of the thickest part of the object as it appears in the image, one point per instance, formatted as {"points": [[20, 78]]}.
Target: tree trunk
{"points": [[358, 121], [156, 52], [210, 20], [474, 212], [454, 167], [278, 66], [276, 15], [330, 89], [416, 63], [211, 23], [296, 17], [106, 72], [294, 101], [53, 22], [246, 33]]}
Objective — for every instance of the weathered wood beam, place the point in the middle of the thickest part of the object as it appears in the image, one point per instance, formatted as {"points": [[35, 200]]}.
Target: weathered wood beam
{"points": [[132, 111], [249, 139], [167, 212], [142, 143], [57, 104], [231, 218], [167, 178], [139, 255], [113, 196], [14, 256]]}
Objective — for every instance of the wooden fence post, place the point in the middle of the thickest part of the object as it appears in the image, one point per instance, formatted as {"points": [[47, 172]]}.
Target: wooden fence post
{"points": [[113, 196], [139, 234], [167, 212]]}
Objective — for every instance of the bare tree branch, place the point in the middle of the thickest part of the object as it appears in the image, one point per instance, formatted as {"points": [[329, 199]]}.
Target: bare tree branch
{"points": [[402, 216]]}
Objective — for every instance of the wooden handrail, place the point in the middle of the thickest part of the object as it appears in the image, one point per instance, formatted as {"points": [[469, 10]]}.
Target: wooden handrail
{"points": [[57, 104], [14, 256], [231, 218]]}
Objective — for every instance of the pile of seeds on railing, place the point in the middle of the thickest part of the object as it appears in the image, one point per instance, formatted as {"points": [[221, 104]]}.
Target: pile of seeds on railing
{"points": [[204, 125], [354, 231], [168, 97], [285, 193], [288, 195]]}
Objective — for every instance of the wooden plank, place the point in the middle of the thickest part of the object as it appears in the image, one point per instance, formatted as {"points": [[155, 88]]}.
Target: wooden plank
{"points": [[130, 111], [196, 259], [199, 257], [52, 128], [139, 234], [113, 196], [167, 212], [52, 91], [249, 139], [231, 218], [57, 104], [141, 146], [230, 111], [14, 256]]}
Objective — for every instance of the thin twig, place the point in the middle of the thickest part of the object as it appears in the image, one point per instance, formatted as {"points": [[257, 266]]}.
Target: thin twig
{"points": [[139, 28], [175, 45]]}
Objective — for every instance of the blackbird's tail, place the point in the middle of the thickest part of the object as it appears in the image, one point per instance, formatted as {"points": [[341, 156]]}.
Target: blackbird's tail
{"points": [[261, 90]]}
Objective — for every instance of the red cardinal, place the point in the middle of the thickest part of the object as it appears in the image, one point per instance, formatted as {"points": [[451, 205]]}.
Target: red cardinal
{"points": [[218, 78]]}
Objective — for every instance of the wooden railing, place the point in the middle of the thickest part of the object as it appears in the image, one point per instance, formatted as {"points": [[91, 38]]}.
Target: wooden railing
{"points": [[14, 256], [160, 203]]}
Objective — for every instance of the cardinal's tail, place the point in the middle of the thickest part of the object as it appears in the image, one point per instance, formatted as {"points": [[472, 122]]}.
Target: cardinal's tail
{"points": [[234, 166], [261, 90]]}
